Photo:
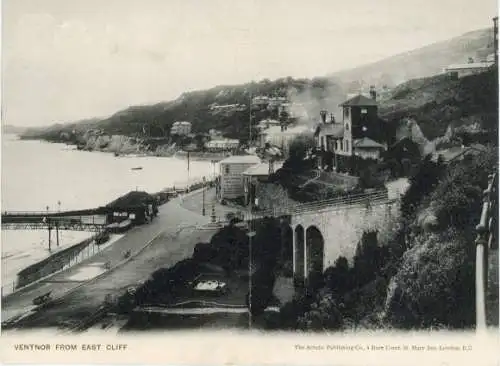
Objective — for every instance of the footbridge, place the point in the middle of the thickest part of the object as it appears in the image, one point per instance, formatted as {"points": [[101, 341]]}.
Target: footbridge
{"points": [[315, 234], [83, 220]]}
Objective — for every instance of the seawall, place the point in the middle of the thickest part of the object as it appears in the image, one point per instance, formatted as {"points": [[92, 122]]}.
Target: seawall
{"points": [[53, 263]]}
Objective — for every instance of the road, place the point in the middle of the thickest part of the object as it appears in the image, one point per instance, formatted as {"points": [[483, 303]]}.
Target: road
{"points": [[170, 238]]}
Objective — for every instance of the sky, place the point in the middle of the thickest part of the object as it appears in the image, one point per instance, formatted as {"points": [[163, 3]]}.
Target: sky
{"points": [[65, 60]]}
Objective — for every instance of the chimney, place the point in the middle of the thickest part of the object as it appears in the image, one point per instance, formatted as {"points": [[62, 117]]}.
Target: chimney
{"points": [[332, 118], [373, 93], [323, 116], [271, 166]]}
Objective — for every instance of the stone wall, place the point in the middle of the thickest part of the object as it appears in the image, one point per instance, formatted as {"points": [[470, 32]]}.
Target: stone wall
{"points": [[342, 228], [52, 264]]}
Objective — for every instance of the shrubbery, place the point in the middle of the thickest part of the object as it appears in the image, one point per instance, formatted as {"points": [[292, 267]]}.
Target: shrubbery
{"points": [[434, 284]]}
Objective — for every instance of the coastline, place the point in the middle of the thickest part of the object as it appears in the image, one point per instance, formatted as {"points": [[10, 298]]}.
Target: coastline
{"points": [[130, 147]]}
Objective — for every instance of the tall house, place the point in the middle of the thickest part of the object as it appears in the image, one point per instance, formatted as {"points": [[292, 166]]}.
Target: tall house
{"points": [[359, 118]]}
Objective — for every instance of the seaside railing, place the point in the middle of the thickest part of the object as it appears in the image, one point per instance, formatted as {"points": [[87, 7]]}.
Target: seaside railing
{"points": [[486, 240]]}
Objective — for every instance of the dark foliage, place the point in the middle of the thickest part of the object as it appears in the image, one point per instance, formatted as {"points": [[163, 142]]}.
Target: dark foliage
{"points": [[421, 184], [229, 248], [166, 283], [262, 290]]}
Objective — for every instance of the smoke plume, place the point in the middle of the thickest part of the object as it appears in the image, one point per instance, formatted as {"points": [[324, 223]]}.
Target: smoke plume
{"points": [[306, 103]]}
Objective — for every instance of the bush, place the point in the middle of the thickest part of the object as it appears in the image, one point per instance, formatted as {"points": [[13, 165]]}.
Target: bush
{"points": [[337, 278], [323, 315], [263, 282], [434, 284], [230, 248]]}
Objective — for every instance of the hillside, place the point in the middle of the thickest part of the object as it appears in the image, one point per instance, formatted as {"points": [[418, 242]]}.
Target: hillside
{"points": [[433, 102], [423, 62], [13, 129], [156, 120], [439, 104]]}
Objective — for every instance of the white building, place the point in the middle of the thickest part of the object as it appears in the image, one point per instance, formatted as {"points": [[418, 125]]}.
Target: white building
{"points": [[181, 128], [367, 148], [461, 70], [281, 137], [222, 145], [232, 183], [266, 123]]}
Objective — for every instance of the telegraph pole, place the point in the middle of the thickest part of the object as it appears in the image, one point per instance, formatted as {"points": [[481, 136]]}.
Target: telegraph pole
{"points": [[250, 120], [203, 190], [48, 223]]}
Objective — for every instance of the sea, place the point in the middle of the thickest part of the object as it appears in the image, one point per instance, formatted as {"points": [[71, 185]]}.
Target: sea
{"points": [[40, 176]]}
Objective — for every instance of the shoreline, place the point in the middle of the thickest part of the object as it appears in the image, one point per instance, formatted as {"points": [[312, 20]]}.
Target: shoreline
{"points": [[141, 153]]}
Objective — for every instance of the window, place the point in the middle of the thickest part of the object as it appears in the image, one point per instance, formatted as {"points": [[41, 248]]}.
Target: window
{"points": [[336, 145], [364, 111], [347, 126], [347, 145], [226, 169], [341, 145]]}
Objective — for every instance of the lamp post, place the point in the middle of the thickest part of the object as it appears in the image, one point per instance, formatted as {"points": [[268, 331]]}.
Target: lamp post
{"points": [[57, 225], [48, 223], [203, 191]]}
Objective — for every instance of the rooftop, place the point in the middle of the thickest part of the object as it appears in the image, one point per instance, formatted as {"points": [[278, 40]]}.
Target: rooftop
{"points": [[241, 159], [262, 169], [359, 100], [474, 65], [366, 142], [290, 130], [455, 152], [331, 129]]}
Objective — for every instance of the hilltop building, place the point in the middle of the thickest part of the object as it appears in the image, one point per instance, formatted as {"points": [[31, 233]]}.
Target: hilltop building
{"points": [[181, 128], [458, 71]]}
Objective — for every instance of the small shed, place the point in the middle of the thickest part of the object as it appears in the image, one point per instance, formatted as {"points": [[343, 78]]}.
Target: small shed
{"points": [[231, 175], [367, 148], [256, 174], [135, 205]]}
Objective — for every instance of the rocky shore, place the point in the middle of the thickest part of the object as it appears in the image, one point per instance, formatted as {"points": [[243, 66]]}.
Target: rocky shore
{"points": [[122, 145]]}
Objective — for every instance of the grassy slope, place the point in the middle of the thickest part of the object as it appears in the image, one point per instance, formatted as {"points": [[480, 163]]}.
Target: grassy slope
{"points": [[422, 62], [438, 102]]}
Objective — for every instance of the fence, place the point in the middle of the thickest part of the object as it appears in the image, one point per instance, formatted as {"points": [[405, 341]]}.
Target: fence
{"points": [[339, 203], [485, 241], [86, 253]]}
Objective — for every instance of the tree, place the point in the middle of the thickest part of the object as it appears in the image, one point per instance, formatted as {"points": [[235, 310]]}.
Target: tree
{"points": [[297, 152]]}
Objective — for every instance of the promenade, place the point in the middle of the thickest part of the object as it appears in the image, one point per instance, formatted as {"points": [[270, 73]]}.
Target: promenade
{"points": [[170, 238]]}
